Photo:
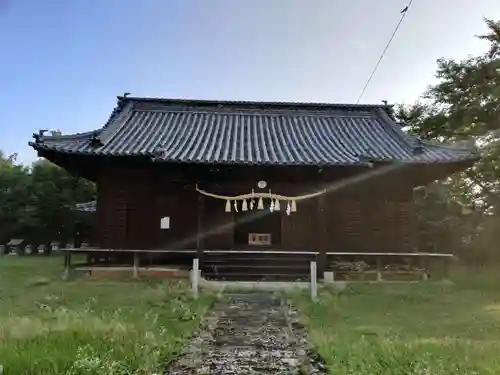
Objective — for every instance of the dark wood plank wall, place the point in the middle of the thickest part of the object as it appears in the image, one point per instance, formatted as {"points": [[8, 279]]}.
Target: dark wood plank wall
{"points": [[111, 210], [374, 220], [179, 202], [218, 225], [299, 230], [141, 222], [131, 202], [124, 209]]}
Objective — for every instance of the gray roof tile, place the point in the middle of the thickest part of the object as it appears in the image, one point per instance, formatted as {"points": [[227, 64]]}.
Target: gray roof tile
{"points": [[87, 206], [191, 131]]}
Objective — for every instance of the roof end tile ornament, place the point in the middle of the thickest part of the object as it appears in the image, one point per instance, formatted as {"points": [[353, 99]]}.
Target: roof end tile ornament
{"points": [[366, 160], [469, 144], [39, 137], [419, 148], [159, 154], [95, 141]]}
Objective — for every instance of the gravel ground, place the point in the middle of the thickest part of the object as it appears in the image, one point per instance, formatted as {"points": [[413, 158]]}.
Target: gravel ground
{"points": [[249, 333]]}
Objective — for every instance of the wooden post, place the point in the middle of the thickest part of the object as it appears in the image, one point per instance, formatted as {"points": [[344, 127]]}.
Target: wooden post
{"points": [[136, 265], [200, 227], [314, 281], [195, 277], [423, 267], [67, 264], [322, 235], [379, 269]]}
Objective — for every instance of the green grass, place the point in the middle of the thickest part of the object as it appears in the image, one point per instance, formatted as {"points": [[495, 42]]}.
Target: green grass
{"points": [[49, 326], [418, 329]]}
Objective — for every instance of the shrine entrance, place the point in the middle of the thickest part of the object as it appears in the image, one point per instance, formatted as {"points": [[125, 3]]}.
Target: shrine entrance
{"points": [[257, 228], [257, 251], [257, 217]]}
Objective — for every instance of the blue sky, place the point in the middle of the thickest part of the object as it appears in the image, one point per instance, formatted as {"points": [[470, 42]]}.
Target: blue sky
{"points": [[63, 62]]}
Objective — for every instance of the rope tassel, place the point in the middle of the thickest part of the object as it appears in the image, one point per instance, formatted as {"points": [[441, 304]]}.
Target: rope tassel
{"points": [[244, 205], [260, 204], [228, 206]]}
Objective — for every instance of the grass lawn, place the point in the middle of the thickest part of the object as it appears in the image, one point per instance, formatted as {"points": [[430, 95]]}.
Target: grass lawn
{"points": [[418, 329], [49, 326]]}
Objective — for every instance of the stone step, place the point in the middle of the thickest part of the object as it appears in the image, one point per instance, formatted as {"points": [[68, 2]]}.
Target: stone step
{"points": [[260, 260], [263, 266], [260, 254], [231, 269], [254, 277], [256, 266]]}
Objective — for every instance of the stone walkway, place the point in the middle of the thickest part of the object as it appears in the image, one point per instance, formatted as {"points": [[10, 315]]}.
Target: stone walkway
{"points": [[249, 333]]}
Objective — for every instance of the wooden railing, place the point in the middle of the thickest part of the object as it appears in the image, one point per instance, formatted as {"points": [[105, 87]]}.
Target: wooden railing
{"points": [[68, 266], [435, 265]]}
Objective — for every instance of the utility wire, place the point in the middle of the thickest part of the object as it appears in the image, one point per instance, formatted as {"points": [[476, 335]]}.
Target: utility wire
{"points": [[403, 15]]}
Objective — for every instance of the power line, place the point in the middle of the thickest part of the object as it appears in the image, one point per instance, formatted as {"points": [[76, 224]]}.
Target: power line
{"points": [[403, 15]]}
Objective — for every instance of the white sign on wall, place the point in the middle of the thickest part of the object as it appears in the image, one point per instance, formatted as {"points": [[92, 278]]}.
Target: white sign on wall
{"points": [[165, 222]]}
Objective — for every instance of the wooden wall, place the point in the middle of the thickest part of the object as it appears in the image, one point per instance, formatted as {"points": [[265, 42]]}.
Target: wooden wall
{"points": [[218, 225], [111, 211], [300, 229], [131, 202], [179, 202], [125, 201], [378, 225]]}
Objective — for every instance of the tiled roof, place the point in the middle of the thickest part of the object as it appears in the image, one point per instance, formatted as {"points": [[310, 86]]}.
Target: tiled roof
{"points": [[211, 132], [87, 206]]}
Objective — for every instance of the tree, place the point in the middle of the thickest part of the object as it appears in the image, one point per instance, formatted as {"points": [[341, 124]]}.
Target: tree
{"points": [[54, 194], [37, 203], [464, 105], [14, 192]]}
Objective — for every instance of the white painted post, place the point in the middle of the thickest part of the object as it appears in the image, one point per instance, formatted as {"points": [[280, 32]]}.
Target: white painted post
{"points": [[425, 275], [423, 266], [314, 284], [379, 269], [195, 277], [136, 265], [67, 264]]}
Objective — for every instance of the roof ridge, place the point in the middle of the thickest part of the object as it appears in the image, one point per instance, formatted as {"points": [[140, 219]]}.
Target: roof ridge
{"points": [[394, 128], [447, 146], [248, 102], [255, 112], [119, 105], [40, 137]]}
